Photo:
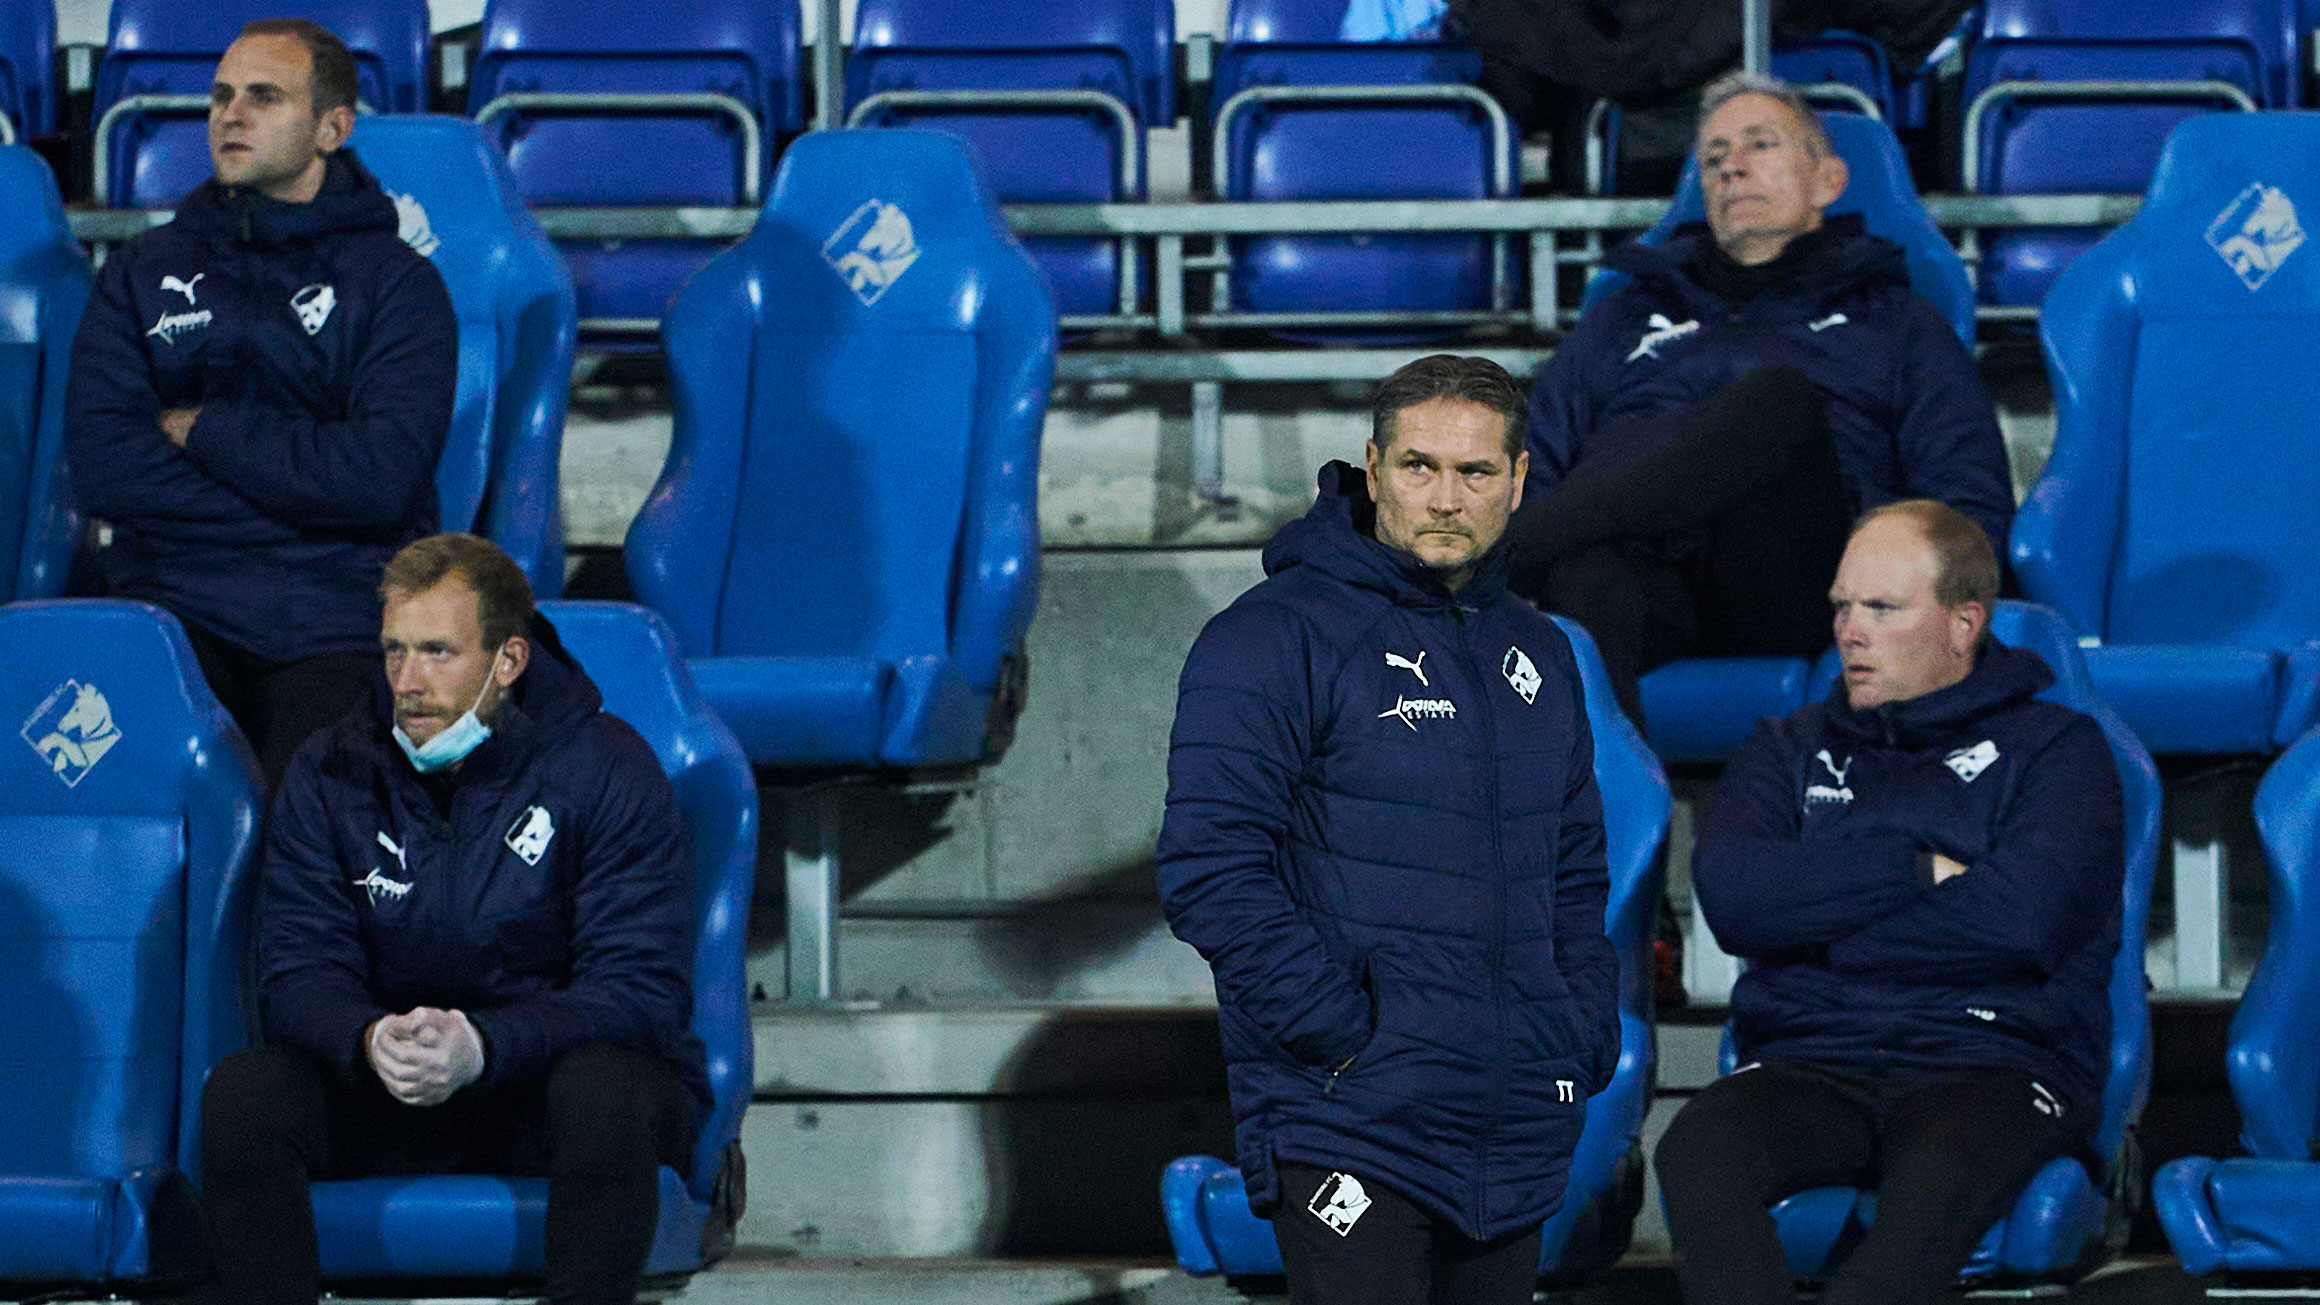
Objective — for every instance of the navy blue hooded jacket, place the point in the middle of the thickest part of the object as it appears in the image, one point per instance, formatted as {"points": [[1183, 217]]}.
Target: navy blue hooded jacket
{"points": [[323, 355], [1815, 864], [1383, 833], [553, 906], [1906, 408]]}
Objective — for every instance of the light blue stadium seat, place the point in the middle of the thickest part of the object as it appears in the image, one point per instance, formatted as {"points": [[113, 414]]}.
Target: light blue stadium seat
{"points": [[128, 822], [1698, 709], [498, 475], [470, 1226], [158, 154], [28, 69], [2174, 520], [845, 535], [2066, 1218], [2261, 1212], [606, 155], [44, 283], [1204, 1200]]}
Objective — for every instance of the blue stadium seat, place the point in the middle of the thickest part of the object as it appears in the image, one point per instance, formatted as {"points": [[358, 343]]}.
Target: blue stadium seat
{"points": [[966, 69], [44, 283], [1699, 709], [1442, 138], [2067, 1215], [605, 154], [128, 826], [1840, 66], [27, 69], [2261, 1212], [1204, 1200], [156, 153], [2172, 521], [486, 1226], [498, 474], [845, 534], [2035, 138]]}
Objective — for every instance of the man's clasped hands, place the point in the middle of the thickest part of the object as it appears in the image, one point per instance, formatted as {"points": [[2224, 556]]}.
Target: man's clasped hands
{"points": [[425, 1055]]}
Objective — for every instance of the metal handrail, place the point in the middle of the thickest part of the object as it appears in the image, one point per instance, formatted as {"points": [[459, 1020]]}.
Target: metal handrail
{"points": [[101, 148], [1858, 100], [1131, 170], [752, 135], [2003, 91], [7, 130]]}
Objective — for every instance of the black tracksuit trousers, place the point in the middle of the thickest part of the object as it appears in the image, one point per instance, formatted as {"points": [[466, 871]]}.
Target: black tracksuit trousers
{"points": [[1364, 1244]]}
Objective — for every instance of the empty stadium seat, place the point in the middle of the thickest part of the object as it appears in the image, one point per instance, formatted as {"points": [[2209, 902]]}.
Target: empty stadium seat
{"points": [[2261, 1212], [44, 282], [1286, 130], [1056, 97], [1204, 1200], [128, 827], [498, 474], [2175, 518], [2025, 135], [727, 73], [484, 1226], [1699, 709], [1839, 67], [845, 535], [151, 151], [2066, 1216], [27, 70]]}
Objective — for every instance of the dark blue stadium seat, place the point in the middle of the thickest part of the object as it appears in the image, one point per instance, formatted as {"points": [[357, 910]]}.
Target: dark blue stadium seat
{"points": [[128, 823], [1455, 145], [155, 156], [2066, 1214], [2261, 1211], [1204, 1200], [1840, 59], [2174, 520], [498, 475], [2027, 144], [602, 155], [1699, 709], [44, 282], [982, 54], [845, 534], [488, 1226], [27, 69]]}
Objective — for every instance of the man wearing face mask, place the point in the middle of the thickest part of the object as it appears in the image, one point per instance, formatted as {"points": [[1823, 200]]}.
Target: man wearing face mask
{"points": [[1384, 835], [474, 947], [1924, 874], [260, 391]]}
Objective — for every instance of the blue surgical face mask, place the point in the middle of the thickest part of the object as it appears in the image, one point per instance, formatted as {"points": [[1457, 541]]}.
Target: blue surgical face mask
{"points": [[451, 745]]}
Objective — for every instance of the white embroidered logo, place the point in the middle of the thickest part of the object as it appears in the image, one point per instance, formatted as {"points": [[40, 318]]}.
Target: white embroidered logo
{"points": [[2255, 233], [1825, 793], [1662, 331], [1833, 319], [171, 325], [72, 729], [382, 888], [1982, 1013], [184, 287], [1520, 674], [1398, 662], [1412, 710], [313, 304], [396, 850], [528, 837], [1339, 1202], [2046, 1102], [871, 249], [412, 225], [1566, 1090], [1969, 763]]}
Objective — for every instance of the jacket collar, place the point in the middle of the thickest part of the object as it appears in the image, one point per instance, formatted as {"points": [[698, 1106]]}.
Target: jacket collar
{"points": [[1338, 538], [351, 199], [2002, 677], [553, 698], [1844, 258]]}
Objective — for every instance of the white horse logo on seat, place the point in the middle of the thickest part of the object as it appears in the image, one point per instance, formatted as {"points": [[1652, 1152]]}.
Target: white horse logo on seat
{"points": [[871, 249], [72, 730], [2256, 233]]}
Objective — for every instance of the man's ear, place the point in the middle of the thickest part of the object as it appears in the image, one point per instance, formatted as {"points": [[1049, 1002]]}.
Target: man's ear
{"points": [[332, 129], [1522, 471], [515, 655], [1370, 453], [1829, 178], [1967, 622]]}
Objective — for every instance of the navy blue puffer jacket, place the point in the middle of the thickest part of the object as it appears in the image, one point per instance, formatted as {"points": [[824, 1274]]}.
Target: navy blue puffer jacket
{"points": [[1383, 833], [1814, 863]]}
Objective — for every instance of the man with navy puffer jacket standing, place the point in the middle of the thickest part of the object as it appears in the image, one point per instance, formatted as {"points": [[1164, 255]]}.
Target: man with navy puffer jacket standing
{"points": [[1384, 835], [1924, 874], [260, 392]]}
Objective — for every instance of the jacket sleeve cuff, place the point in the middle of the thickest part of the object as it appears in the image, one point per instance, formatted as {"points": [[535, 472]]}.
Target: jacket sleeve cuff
{"points": [[214, 440], [1923, 862]]}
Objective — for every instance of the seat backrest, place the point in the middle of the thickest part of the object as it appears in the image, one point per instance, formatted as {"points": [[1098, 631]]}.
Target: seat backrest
{"points": [[746, 51], [1023, 43], [633, 657], [1880, 190], [2181, 349], [1297, 43], [858, 387], [513, 298], [2252, 43], [1842, 58], [128, 818], [2274, 1060], [44, 283], [27, 62]]}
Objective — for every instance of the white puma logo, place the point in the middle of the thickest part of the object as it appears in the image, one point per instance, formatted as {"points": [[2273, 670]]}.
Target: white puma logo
{"points": [[1833, 319], [184, 287], [1834, 769], [1417, 668], [1660, 331]]}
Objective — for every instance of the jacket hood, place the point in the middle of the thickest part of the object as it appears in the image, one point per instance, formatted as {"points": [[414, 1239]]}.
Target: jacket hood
{"points": [[552, 698], [2002, 676], [1849, 258], [1337, 537], [350, 200]]}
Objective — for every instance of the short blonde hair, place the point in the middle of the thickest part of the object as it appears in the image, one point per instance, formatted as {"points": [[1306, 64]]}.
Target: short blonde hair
{"points": [[1965, 565]]}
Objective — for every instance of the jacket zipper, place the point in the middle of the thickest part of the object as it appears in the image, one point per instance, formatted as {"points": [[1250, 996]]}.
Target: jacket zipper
{"points": [[1497, 922]]}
